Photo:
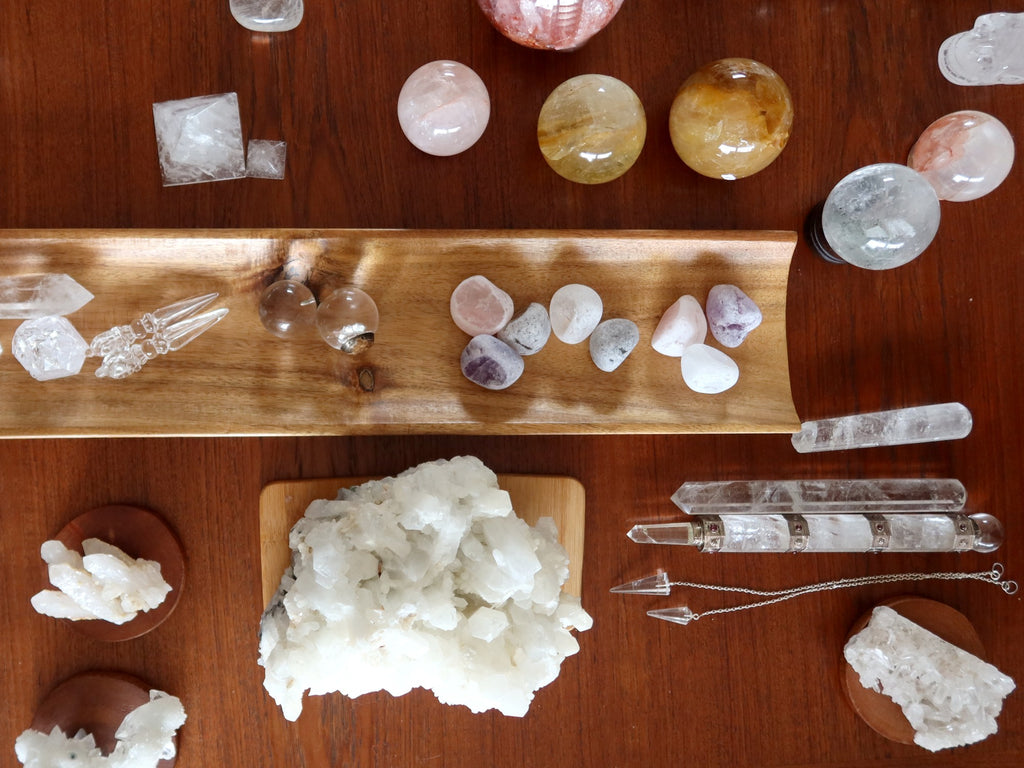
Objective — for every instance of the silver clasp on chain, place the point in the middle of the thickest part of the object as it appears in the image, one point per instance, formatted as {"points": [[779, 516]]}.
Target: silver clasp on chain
{"points": [[1008, 586]]}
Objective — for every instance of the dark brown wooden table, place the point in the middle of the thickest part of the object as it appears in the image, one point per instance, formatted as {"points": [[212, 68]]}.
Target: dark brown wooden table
{"points": [[763, 688]]}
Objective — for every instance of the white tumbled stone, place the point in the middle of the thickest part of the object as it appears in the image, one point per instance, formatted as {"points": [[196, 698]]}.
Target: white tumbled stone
{"points": [[708, 370], [682, 325], [575, 311]]}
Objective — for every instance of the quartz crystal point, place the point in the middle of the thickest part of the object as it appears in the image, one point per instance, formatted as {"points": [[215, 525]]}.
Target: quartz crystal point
{"points": [[949, 696], [49, 348], [575, 311], [708, 370], [559, 25], [658, 584], [122, 363], [199, 139], [267, 15], [612, 342], [802, 497], [917, 424], [682, 325], [964, 155], [731, 315], [681, 615], [443, 108], [31, 296], [479, 307], [990, 53], [529, 331]]}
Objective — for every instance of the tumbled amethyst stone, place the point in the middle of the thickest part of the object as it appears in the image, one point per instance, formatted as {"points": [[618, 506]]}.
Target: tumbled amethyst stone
{"points": [[491, 363], [731, 315]]}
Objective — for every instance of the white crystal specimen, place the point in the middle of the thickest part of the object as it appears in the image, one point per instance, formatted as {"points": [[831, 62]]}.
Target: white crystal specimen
{"points": [[104, 584], [265, 159], [199, 139], [990, 53], [949, 696], [575, 311], [267, 15], [49, 348], [708, 370], [427, 579], [30, 296], [144, 738], [682, 325]]}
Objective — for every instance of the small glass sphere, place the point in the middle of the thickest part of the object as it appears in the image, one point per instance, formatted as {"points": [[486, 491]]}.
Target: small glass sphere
{"points": [[731, 118], [591, 129], [443, 108], [287, 308], [964, 155], [990, 534], [881, 216], [554, 25], [348, 319]]}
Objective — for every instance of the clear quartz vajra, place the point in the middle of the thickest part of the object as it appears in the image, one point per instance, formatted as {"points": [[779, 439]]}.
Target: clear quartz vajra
{"points": [[917, 424]]}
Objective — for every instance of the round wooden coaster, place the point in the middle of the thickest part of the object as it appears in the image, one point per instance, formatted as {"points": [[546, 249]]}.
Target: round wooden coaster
{"points": [[876, 709], [139, 533], [96, 702]]}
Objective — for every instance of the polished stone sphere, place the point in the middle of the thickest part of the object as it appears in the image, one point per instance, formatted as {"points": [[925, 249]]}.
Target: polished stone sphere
{"points": [[443, 108], [731, 118], [591, 129], [556, 25]]}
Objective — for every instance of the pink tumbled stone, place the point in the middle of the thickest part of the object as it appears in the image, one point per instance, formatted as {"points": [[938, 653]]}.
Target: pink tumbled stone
{"points": [[443, 108], [682, 325], [479, 307], [556, 25]]}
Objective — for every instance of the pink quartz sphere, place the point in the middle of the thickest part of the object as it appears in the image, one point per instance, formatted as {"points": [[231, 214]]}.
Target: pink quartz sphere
{"points": [[964, 155], [443, 108], [554, 25]]}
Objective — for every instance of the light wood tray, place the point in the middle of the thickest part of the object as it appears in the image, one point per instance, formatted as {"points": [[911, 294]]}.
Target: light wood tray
{"points": [[237, 379], [283, 502]]}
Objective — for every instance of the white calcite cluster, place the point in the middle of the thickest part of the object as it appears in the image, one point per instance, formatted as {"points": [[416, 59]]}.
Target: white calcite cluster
{"points": [[427, 579], [949, 696], [144, 738], [104, 583]]}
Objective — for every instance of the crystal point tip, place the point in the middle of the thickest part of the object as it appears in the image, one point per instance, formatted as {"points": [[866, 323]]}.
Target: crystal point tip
{"points": [[648, 585], [681, 615]]}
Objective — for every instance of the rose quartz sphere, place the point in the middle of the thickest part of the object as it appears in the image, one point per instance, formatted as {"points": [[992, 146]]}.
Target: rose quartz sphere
{"points": [[555, 25], [443, 108]]}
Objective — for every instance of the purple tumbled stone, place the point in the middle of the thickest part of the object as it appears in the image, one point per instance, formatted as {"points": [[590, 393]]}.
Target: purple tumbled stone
{"points": [[731, 315], [491, 363]]}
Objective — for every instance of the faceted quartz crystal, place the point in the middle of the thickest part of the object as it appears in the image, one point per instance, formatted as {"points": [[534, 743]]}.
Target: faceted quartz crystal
{"points": [[732, 315], [479, 307], [443, 108], [49, 348], [28, 296], [287, 309], [731, 118], [265, 159], [612, 341], [708, 370], [491, 363], [990, 53], [267, 15], [964, 155], [529, 331], [917, 424], [199, 139], [591, 129], [575, 311], [682, 325], [559, 25], [348, 319], [881, 216]]}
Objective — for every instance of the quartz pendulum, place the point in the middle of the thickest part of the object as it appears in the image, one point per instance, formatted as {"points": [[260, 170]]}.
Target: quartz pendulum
{"points": [[348, 319], [990, 53], [267, 15], [558, 25], [731, 118], [49, 348], [881, 216], [964, 155], [288, 309], [29, 296], [591, 129], [122, 362], [443, 108], [902, 426], [804, 497]]}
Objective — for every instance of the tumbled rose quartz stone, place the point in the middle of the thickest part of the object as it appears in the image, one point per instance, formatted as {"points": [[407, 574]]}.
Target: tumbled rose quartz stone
{"points": [[557, 25], [731, 315], [443, 108], [529, 331], [964, 155], [612, 341], [591, 129], [479, 307], [287, 309], [491, 363], [575, 311], [682, 324], [708, 370], [731, 118]]}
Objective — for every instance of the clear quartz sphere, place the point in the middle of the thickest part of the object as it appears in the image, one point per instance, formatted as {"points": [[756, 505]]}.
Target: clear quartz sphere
{"points": [[347, 319], [881, 216], [990, 534], [287, 308]]}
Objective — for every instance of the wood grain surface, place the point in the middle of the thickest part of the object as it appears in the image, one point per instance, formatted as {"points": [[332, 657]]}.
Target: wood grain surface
{"points": [[759, 688]]}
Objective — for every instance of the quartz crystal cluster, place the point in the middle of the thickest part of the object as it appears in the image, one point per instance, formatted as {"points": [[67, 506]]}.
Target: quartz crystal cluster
{"points": [[950, 697], [427, 579], [559, 25], [102, 583], [145, 737]]}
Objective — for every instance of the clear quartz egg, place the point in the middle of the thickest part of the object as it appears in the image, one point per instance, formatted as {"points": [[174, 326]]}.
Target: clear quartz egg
{"points": [[347, 319], [287, 308]]}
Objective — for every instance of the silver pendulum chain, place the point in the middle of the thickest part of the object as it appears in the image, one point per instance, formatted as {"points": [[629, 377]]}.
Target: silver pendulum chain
{"points": [[683, 615]]}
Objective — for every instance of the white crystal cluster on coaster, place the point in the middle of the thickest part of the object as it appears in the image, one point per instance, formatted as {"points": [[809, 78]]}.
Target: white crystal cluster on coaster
{"points": [[144, 738], [49, 348], [102, 583], [33, 296], [199, 139], [949, 696], [265, 159], [427, 579], [900, 426]]}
